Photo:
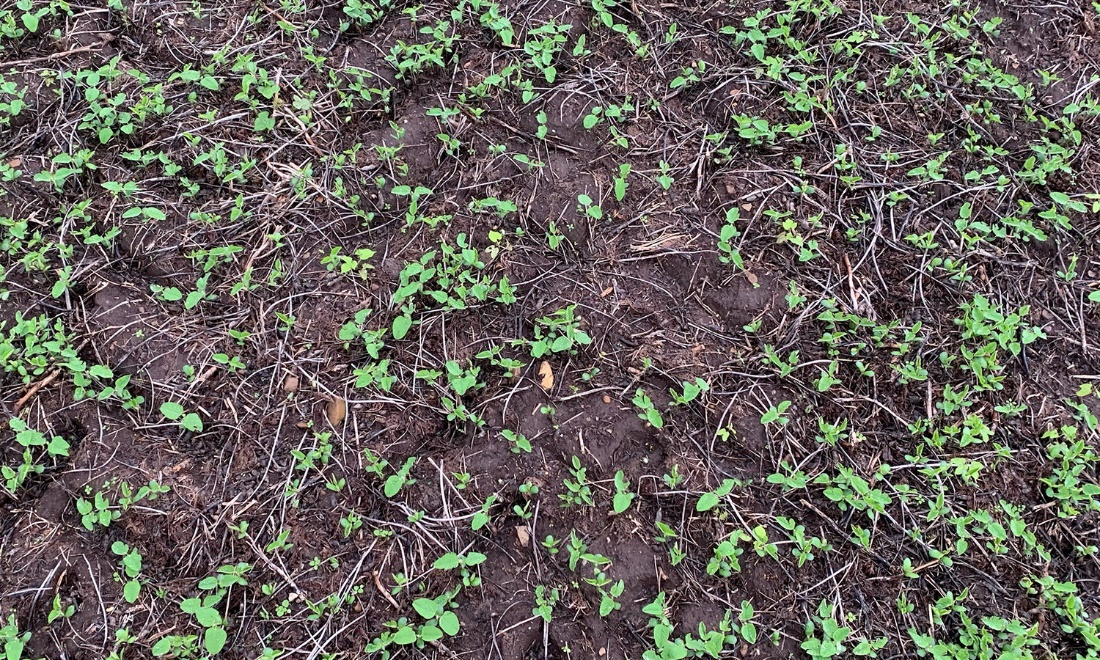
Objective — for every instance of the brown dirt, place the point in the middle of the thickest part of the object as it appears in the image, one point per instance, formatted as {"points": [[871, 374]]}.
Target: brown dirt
{"points": [[646, 280]]}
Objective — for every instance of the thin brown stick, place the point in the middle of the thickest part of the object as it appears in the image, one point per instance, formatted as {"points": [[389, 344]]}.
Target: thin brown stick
{"points": [[35, 388]]}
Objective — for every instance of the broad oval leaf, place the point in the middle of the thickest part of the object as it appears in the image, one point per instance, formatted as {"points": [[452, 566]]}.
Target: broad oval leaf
{"points": [[430, 634], [448, 622], [191, 422], [162, 647], [405, 635], [214, 640], [447, 562], [171, 410], [131, 591], [426, 607], [401, 326], [208, 616], [748, 632], [707, 502]]}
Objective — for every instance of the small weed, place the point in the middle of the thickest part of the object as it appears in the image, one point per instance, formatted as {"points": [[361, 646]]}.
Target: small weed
{"points": [[649, 413]]}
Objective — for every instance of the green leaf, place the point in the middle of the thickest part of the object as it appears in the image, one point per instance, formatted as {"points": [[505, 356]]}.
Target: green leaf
{"points": [[264, 122], [187, 75], [621, 502], [208, 617], [214, 640], [654, 418], [748, 632], [132, 563], [191, 422], [171, 410], [30, 21], [726, 488], [430, 633], [131, 591], [607, 605], [1095, 297], [447, 562], [100, 371], [404, 636], [57, 447], [426, 607], [707, 502], [162, 647], [448, 622], [401, 326]]}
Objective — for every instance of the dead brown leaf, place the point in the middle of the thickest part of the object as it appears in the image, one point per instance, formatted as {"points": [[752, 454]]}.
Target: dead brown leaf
{"points": [[336, 410], [546, 376]]}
